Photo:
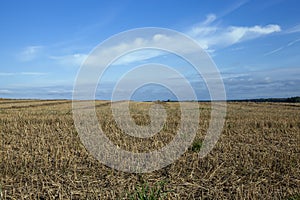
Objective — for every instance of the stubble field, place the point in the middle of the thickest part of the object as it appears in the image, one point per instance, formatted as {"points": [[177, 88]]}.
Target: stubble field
{"points": [[256, 157]]}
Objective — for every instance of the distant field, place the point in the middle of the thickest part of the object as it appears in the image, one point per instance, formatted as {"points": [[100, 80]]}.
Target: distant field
{"points": [[256, 157]]}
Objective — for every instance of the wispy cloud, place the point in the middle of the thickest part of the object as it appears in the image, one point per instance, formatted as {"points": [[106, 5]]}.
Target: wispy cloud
{"points": [[6, 74], [33, 73], [273, 51], [209, 33], [5, 92], [136, 56], [215, 36], [65, 92], [293, 42], [22, 74], [209, 19], [294, 29], [210, 37], [233, 7], [278, 82], [70, 60], [282, 47], [136, 47], [30, 53]]}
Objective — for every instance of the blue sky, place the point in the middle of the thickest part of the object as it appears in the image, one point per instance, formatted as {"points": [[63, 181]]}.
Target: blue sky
{"points": [[255, 44]]}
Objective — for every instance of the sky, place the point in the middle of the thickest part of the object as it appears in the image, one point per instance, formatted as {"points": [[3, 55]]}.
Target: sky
{"points": [[254, 44]]}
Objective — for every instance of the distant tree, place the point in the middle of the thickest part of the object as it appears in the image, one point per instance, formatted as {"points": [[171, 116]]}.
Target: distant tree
{"points": [[293, 99]]}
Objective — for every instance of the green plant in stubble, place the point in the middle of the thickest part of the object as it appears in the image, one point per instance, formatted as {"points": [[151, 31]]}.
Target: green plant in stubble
{"points": [[1, 194], [295, 197], [196, 146], [145, 192]]}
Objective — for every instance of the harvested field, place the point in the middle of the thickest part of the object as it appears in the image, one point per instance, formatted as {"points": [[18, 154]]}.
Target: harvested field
{"points": [[256, 157]]}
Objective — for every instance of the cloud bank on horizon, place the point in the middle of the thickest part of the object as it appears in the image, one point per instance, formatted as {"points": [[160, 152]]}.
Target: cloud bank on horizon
{"points": [[254, 44]]}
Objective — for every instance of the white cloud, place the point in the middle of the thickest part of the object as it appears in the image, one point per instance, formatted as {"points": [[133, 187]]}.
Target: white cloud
{"points": [[33, 73], [70, 60], [214, 37], [209, 19], [160, 42], [210, 36], [60, 91], [22, 74], [104, 55], [5, 92], [30, 52], [6, 74], [136, 56]]}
